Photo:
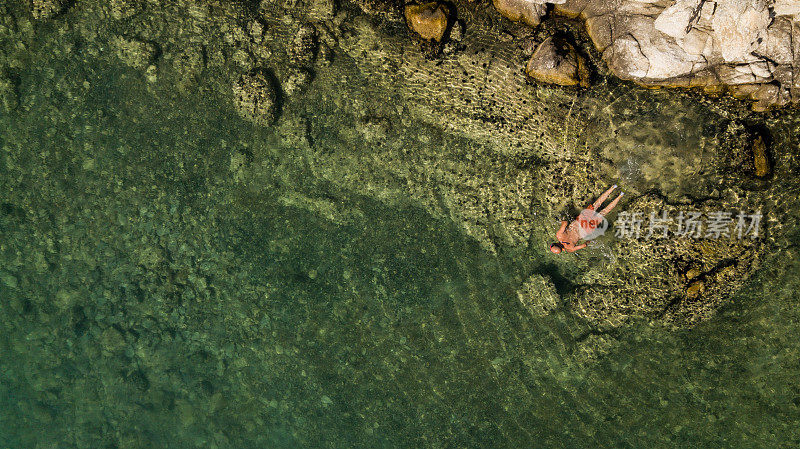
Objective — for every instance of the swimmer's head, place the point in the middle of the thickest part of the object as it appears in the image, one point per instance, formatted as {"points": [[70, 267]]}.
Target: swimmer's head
{"points": [[556, 248]]}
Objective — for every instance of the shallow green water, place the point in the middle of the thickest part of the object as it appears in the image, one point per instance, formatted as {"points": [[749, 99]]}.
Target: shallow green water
{"points": [[151, 299]]}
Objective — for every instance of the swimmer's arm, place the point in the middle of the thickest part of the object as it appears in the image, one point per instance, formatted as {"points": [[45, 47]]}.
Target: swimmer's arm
{"points": [[575, 248], [560, 232]]}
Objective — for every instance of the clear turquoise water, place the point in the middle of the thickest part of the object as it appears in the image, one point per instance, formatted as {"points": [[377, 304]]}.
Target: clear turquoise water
{"points": [[149, 299]]}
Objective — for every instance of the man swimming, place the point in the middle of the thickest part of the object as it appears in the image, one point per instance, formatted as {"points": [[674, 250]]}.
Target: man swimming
{"points": [[588, 222]]}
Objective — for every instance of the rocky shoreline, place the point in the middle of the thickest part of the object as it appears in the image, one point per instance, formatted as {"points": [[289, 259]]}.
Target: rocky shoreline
{"points": [[747, 48]]}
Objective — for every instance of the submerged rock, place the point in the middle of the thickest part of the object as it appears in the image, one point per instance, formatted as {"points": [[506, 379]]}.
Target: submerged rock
{"points": [[454, 40], [256, 29], [504, 159], [112, 340], [243, 59], [133, 52], [760, 158], [255, 98], [428, 20], [188, 64], [527, 11], [556, 61], [122, 9], [695, 289], [151, 74], [297, 80], [538, 295], [326, 208], [9, 95], [302, 49], [321, 10], [46, 9], [381, 8]]}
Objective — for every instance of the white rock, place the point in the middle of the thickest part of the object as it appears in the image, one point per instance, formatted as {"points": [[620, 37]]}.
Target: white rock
{"points": [[744, 44], [737, 24], [674, 19], [787, 8]]}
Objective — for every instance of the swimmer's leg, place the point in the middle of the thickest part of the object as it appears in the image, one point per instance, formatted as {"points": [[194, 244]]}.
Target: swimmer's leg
{"points": [[603, 197], [611, 205]]}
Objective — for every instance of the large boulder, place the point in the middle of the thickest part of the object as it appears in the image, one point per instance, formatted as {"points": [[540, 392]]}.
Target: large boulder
{"points": [[428, 20], [556, 61]]}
